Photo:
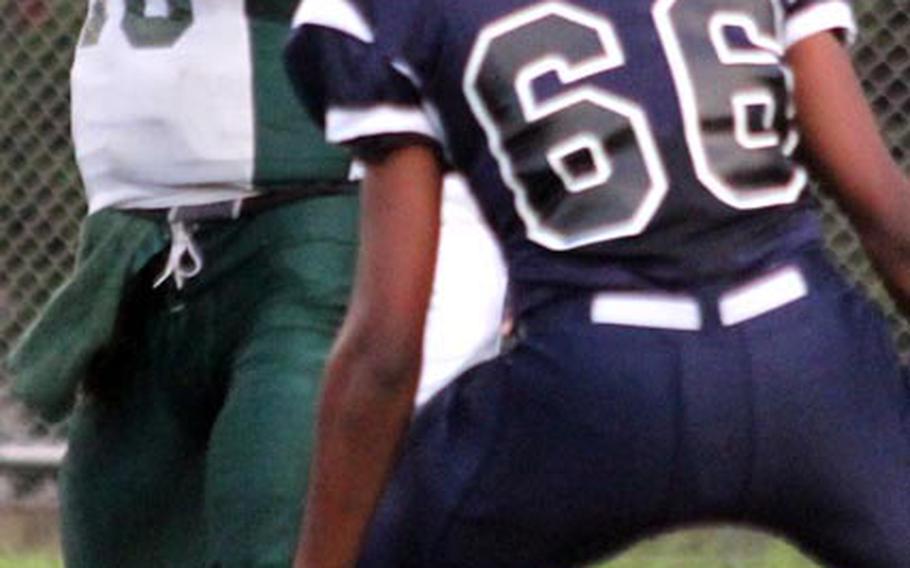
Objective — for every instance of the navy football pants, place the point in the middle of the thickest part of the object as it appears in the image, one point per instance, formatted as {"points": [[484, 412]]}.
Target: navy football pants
{"points": [[586, 437]]}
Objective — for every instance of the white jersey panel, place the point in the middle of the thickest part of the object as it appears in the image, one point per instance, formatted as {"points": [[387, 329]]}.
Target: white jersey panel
{"points": [[465, 316], [166, 125]]}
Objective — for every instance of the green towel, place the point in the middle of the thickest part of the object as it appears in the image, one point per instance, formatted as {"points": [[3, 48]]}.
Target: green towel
{"points": [[54, 354]]}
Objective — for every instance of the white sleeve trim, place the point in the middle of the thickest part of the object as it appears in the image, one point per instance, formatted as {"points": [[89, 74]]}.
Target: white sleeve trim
{"points": [[828, 16], [338, 15], [347, 124]]}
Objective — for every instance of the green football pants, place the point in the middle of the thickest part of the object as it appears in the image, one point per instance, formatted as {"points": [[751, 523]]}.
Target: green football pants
{"points": [[190, 447]]}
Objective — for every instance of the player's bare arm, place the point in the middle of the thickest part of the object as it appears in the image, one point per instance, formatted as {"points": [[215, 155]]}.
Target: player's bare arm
{"points": [[372, 373], [843, 138]]}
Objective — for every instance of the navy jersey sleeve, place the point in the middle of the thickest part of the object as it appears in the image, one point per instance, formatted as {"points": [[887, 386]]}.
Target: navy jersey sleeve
{"points": [[347, 60], [805, 18]]}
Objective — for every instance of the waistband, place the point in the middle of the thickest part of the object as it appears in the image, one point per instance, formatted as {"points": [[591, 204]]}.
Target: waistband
{"points": [[717, 305], [246, 206], [185, 259], [750, 299]]}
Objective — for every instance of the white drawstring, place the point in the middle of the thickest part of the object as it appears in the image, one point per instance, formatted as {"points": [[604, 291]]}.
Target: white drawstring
{"points": [[184, 260]]}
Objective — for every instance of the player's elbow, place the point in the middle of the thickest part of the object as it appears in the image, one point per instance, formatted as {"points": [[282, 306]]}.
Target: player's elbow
{"points": [[882, 217], [374, 366], [369, 387]]}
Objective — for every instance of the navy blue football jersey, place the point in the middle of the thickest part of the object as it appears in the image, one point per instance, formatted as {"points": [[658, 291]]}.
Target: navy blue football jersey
{"points": [[621, 143]]}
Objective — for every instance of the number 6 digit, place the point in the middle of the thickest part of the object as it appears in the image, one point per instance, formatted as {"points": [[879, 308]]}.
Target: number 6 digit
{"points": [[146, 23], [741, 83], [160, 30], [97, 17], [583, 165]]}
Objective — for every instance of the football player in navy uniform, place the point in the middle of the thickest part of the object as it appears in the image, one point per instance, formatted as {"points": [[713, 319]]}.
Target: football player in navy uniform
{"points": [[685, 350]]}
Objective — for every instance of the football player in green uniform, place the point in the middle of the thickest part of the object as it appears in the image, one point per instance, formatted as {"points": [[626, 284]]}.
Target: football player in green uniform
{"points": [[213, 271], [216, 258]]}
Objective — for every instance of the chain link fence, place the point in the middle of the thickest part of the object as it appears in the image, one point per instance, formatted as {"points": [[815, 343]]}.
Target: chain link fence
{"points": [[41, 204]]}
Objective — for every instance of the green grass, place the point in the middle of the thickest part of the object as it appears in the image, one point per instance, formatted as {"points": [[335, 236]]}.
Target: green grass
{"points": [[30, 560], [29, 538], [709, 548], [714, 548]]}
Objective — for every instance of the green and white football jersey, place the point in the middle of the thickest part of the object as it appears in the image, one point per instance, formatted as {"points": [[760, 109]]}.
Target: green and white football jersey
{"points": [[182, 102]]}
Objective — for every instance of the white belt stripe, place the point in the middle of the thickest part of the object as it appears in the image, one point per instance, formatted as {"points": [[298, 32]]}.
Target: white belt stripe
{"points": [[680, 312], [762, 295], [644, 309]]}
